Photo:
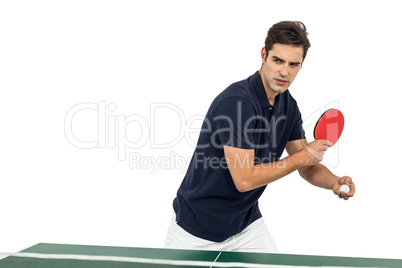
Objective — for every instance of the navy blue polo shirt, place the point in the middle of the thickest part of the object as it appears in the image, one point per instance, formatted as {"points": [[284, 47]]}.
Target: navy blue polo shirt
{"points": [[208, 204]]}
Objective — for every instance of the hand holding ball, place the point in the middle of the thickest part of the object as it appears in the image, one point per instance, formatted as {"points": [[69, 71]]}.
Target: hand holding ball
{"points": [[344, 188]]}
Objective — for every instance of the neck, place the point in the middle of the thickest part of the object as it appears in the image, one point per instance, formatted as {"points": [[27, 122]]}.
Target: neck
{"points": [[272, 100], [270, 94]]}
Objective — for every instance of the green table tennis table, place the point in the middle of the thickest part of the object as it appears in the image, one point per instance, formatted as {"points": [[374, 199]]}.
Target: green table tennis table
{"points": [[64, 255]]}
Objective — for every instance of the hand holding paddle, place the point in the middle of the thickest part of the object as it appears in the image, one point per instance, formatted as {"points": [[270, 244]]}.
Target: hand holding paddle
{"points": [[315, 151], [327, 131]]}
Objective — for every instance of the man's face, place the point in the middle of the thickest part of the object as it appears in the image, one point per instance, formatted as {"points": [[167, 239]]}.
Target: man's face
{"points": [[280, 68]]}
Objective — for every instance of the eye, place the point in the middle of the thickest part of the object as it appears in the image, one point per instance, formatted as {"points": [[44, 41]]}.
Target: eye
{"points": [[295, 64]]}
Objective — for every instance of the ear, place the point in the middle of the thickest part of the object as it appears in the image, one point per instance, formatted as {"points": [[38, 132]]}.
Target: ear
{"points": [[263, 54]]}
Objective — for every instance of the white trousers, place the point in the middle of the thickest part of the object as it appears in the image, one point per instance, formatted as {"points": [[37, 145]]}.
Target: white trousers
{"points": [[255, 238]]}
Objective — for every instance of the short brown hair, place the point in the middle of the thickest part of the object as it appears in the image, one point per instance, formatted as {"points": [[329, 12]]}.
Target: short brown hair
{"points": [[288, 33]]}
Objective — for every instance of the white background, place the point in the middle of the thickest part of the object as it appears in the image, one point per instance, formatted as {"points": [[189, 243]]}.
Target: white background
{"points": [[119, 58]]}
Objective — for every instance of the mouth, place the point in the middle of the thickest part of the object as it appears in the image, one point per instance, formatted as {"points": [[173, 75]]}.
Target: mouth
{"points": [[281, 81]]}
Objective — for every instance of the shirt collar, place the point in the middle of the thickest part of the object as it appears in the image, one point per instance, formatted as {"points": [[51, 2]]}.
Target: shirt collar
{"points": [[259, 89]]}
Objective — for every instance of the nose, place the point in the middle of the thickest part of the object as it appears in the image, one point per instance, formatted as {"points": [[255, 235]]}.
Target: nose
{"points": [[284, 71]]}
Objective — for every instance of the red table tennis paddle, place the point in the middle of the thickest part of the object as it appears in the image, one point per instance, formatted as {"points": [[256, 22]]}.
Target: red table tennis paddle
{"points": [[329, 126]]}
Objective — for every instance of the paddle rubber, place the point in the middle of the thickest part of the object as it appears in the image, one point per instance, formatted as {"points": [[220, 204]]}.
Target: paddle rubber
{"points": [[329, 126]]}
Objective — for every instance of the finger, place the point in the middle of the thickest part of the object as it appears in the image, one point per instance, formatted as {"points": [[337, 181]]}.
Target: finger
{"points": [[344, 196], [345, 180], [340, 194], [348, 180], [325, 142], [352, 190], [328, 143]]}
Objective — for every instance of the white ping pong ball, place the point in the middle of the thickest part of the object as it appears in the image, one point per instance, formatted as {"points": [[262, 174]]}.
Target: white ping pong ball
{"points": [[344, 188]]}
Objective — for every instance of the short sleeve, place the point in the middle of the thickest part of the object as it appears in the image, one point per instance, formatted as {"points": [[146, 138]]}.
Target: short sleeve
{"points": [[233, 121], [297, 131]]}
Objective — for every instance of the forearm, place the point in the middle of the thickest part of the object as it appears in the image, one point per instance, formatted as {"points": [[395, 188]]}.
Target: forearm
{"points": [[263, 174], [247, 176], [318, 175]]}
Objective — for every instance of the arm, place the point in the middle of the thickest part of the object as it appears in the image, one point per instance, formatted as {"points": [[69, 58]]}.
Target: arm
{"points": [[319, 175], [302, 157], [248, 176]]}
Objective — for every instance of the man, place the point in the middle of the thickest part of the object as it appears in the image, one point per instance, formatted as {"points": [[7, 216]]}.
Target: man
{"points": [[245, 131]]}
